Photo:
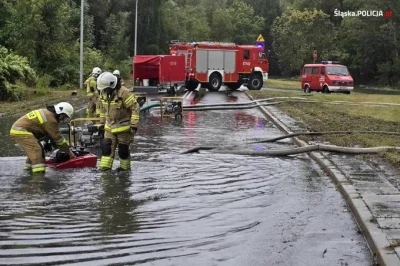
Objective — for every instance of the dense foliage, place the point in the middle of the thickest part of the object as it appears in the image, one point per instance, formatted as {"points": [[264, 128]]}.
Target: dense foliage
{"points": [[13, 68], [47, 33]]}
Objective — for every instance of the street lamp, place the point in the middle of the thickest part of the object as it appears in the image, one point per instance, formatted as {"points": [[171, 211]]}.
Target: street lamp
{"points": [[81, 48], [133, 63], [136, 12]]}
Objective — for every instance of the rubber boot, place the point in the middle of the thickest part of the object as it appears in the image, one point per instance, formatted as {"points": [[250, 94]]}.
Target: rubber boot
{"points": [[106, 163], [27, 167], [125, 164], [38, 168]]}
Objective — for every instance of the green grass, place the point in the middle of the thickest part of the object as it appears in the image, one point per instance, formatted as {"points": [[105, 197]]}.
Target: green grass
{"points": [[33, 100], [288, 84], [321, 116], [295, 84]]}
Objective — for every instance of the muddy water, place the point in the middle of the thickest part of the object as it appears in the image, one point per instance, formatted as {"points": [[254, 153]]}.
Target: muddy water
{"points": [[172, 209]]}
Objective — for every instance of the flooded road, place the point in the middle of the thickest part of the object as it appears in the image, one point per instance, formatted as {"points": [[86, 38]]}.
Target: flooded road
{"points": [[173, 209]]}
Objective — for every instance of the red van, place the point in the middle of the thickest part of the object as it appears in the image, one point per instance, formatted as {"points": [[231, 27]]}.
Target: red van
{"points": [[327, 77]]}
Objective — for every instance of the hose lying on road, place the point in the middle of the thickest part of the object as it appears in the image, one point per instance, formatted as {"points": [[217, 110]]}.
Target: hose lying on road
{"points": [[311, 148], [212, 108], [324, 133], [148, 107], [198, 148], [245, 103], [260, 102], [234, 106]]}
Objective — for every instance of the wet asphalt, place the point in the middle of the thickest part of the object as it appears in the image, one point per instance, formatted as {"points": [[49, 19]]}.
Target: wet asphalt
{"points": [[174, 209]]}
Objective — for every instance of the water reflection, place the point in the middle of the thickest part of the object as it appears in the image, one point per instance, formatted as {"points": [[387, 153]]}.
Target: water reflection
{"points": [[172, 209], [116, 206], [37, 184]]}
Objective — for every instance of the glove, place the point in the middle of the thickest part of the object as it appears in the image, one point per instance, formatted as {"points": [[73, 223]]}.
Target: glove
{"points": [[133, 129], [71, 155]]}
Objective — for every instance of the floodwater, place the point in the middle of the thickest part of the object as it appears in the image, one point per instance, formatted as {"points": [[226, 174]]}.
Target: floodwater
{"points": [[174, 209]]}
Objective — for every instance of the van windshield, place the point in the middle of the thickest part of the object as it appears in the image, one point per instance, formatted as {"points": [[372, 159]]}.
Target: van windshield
{"points": [[337, 70]]}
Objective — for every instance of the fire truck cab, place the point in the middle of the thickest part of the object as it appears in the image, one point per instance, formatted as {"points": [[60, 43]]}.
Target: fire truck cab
{"points": [[212, 64]]}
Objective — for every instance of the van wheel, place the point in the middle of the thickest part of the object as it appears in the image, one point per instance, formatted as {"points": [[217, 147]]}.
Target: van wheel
{"points": [[307, 89], [325, 90]]}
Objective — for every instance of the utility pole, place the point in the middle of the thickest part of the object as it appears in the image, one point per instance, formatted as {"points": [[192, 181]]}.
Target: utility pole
{"points": [[136, 15], [133, 65], [81, 48]]}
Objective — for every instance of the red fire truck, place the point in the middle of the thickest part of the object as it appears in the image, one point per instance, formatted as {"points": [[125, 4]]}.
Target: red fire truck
{"points": [[212, 64]]}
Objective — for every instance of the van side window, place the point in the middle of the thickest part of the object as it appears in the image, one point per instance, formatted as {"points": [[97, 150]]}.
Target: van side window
{"points": [[246, 54], [315, 70], [307, 70], [322, 70]]}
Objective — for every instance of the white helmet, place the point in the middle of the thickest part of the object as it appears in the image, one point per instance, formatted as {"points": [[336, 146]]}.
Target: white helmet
{"points": [[96, 71], [106, 80], [64, 108], [117, 73]]}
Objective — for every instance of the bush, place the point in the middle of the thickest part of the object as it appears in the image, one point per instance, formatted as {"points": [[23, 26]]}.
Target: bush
{"points": [[14, 68], [43, 84], [125, 67]]}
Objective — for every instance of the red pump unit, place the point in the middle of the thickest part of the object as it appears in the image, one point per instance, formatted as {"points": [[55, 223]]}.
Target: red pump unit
{"points": [[60, 160]]}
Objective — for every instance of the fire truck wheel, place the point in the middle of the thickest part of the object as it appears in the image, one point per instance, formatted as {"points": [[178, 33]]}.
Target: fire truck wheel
{"points": [[215, 82], [255, 82], [325, 90]]}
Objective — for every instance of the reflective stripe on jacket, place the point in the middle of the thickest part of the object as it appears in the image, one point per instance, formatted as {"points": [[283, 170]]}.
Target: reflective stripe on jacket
{"points": [[120, 110], [40, 123]]}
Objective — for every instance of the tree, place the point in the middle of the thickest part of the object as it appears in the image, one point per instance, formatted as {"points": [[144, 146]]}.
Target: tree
{"points": [[297, 34], [236, 23], [42, 31], [188, 23], [13, 68]]}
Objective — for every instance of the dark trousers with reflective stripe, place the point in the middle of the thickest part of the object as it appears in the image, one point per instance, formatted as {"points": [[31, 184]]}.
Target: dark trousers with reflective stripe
{"points": [[115, 140], [31, 146]]}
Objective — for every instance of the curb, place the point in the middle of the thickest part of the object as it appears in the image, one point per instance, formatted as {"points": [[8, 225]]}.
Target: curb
{"points": [[380, 247]]}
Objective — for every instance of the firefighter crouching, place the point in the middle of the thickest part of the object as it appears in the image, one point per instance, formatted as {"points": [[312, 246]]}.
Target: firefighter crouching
{"points": [[121, 114], [28, 129], [92, 93]]}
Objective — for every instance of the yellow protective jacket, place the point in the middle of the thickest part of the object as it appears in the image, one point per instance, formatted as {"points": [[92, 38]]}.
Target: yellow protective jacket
{"points": [[119, 110], [40, 123], [91, 87]]}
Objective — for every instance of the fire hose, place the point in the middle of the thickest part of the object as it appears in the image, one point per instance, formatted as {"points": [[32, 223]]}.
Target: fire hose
{"points": [[294, 151]]}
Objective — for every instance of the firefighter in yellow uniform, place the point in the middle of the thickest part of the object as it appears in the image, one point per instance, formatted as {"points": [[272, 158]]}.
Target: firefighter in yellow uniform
{"points": [[120, 112], [92, 93], [117, 73], [28, 129]]}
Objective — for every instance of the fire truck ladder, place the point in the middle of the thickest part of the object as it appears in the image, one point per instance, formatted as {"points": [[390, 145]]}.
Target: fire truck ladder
{"points": [[189, 59]]}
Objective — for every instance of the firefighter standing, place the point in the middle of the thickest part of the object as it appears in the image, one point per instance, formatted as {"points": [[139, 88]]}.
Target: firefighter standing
{"points": [[121, 114], [118, 75], [93, 93], [28, 129]]}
